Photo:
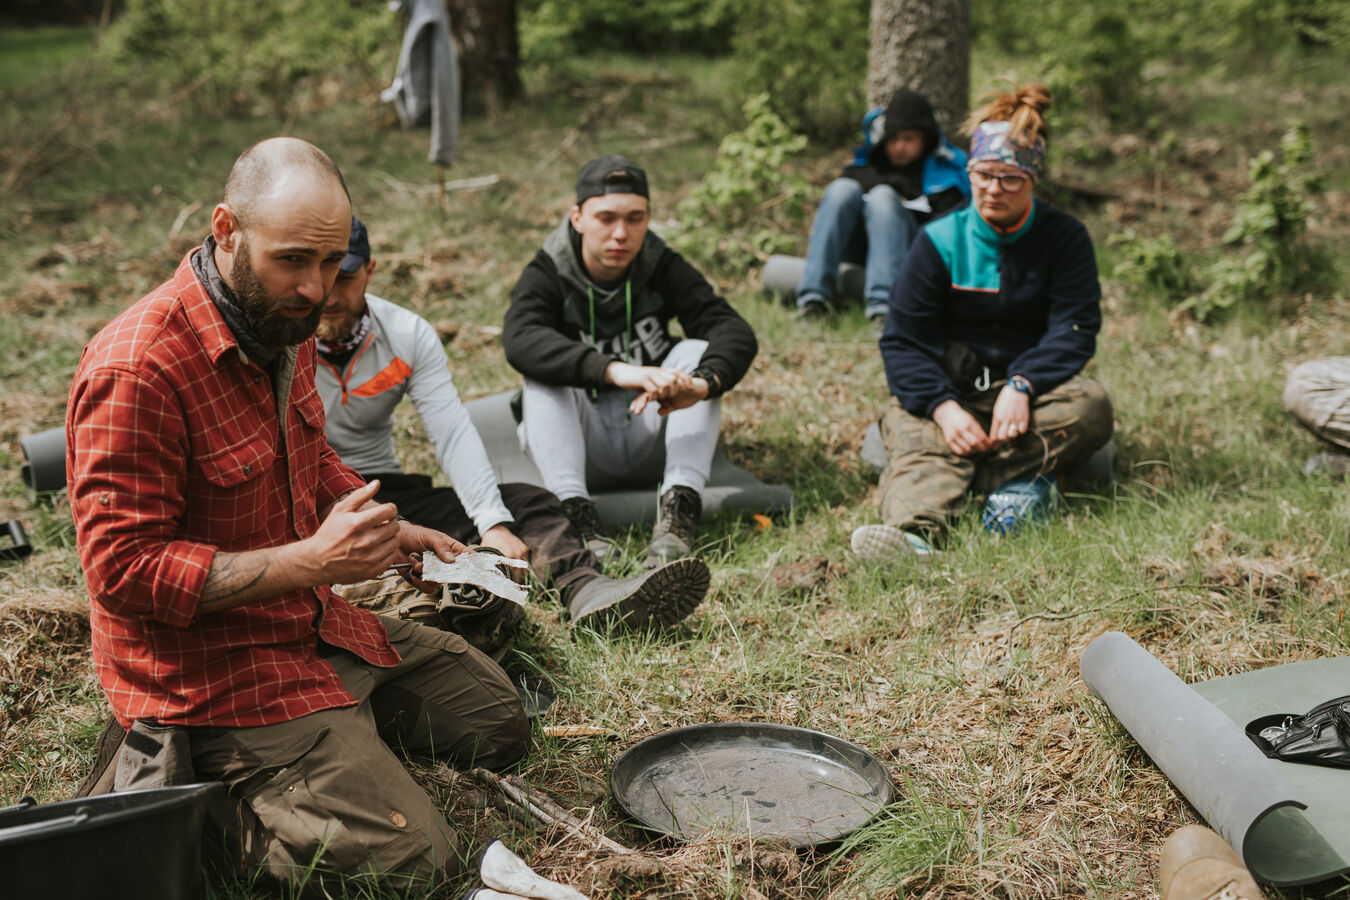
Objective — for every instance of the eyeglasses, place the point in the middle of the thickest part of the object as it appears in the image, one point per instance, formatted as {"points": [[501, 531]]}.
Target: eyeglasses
{"points": [[1010, 184]]}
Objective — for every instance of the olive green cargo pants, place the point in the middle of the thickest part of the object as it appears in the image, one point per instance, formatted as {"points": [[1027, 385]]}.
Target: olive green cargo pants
{"points": [[926, 484], [326, 792]]}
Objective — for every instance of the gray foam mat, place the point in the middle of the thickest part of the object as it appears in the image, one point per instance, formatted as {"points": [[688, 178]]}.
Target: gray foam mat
{"points": [[1289, 822], [729, 486]]}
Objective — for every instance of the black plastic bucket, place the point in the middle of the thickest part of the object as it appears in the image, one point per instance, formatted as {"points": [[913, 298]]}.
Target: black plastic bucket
{"points": [[145, 845]]}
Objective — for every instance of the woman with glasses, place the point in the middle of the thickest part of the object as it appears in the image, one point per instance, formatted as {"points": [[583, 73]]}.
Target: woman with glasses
{"points": [[991, 320]]}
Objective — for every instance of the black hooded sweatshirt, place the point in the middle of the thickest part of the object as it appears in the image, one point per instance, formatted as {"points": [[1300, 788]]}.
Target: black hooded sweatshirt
{"points": [[563, 328], [907, 110]]}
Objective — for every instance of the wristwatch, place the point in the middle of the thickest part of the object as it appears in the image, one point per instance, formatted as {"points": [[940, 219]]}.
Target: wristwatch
{"points": [[1020, 384]]}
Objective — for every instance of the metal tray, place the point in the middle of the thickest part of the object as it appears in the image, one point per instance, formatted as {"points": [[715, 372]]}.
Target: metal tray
{"points": [[770, 781]]}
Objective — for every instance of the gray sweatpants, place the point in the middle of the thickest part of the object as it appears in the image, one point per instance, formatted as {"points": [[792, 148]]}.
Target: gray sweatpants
{"points": [[580, 446], [1317, 394]]}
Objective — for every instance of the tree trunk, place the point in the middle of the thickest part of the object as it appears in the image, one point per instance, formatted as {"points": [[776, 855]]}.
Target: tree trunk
{"points": [[923, 45], [489, 52]]}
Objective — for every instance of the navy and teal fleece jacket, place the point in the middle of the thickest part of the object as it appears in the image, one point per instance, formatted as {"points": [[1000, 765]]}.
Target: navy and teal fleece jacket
{"points": [[1026, 301]]}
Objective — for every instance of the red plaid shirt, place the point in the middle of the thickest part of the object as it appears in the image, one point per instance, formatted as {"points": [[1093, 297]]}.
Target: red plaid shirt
{"points": [[174, 452]]}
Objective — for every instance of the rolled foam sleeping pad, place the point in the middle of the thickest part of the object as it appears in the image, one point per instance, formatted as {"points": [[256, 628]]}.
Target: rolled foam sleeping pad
{"points": [[1290, 823], [45, 469], [782, 274]]}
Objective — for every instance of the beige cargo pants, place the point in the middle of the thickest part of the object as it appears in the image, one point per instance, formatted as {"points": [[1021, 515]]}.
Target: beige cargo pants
{"points": [[1317, 394], [926, 484]]}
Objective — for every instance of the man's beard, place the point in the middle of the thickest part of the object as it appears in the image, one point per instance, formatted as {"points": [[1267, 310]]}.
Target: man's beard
{"points": [[337, 330], [262, 311]]}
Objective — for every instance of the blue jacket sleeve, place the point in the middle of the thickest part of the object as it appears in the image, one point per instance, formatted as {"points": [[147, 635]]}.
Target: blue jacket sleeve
{"points": [[913, 342], [1075, 315]]}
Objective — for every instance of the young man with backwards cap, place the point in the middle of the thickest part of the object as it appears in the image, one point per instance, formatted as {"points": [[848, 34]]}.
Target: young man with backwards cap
{"points": [[611, 398], [373, 353]]}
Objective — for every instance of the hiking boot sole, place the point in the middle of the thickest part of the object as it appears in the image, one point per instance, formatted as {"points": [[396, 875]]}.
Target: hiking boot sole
{"points": [[665, 597], [878, 543]]}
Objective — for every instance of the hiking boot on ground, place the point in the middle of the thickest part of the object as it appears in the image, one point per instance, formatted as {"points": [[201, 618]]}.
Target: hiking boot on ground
{"points": [[877, 543], [1197, 864], [676, 525], [662, 596], [1332, 465], [100, 778], [812, 307], [581, 512]]}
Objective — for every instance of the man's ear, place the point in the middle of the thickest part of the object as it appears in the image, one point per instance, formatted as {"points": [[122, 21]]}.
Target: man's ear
{"points": [[224, 227], [575, 215], [370, 268]]}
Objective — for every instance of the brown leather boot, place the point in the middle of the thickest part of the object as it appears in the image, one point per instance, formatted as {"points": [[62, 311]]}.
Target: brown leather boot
{"points": [[654, 599], [1197, 864]]}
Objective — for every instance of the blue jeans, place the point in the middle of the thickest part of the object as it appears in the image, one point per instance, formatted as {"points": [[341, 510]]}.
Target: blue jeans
{"points": [[888, 230]]}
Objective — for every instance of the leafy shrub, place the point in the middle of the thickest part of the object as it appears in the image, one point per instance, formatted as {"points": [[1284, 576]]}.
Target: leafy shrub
{"points": [[1153, 262], [230, 54], [810, 58], [551, 29], [749, 205], [1272, 216]]}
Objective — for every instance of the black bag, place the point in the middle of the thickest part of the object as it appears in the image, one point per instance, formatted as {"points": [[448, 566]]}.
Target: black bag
{"points": [[1319, 737]]}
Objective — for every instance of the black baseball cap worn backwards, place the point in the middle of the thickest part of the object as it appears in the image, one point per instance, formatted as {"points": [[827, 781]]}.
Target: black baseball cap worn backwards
{"points": [[611, 174], [358, 248]]}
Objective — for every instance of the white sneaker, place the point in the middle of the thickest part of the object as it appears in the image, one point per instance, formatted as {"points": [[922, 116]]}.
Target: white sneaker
{"points": [[886, 542]]}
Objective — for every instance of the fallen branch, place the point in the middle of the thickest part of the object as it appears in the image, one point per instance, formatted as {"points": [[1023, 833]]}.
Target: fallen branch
{"points": [[461, 184], [546, 810]]}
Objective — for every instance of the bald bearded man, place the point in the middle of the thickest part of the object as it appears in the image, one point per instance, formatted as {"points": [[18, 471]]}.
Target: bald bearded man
{"points": [[211, 517]]}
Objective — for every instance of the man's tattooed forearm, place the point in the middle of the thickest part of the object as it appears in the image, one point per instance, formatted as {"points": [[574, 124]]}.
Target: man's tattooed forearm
{"points": [[229, 577]]}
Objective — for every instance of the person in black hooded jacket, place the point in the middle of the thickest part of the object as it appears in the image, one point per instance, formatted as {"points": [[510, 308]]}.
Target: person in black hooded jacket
{"points": [[611, 398], [873, 210]]}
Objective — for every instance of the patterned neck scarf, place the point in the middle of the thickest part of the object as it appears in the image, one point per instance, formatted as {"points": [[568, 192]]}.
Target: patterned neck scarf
{"points": [[204, 264], [347, 345], [992, 142]]}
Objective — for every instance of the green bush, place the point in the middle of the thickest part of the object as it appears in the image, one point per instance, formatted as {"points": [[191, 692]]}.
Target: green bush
{"points": [[810, 58], [550, 29], [228, 55], [1153, 262], [749, 206], [1268, 257]]}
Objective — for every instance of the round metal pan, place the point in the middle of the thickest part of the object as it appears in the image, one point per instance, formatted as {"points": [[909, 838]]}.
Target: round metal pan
{"points": [[774, 782]]}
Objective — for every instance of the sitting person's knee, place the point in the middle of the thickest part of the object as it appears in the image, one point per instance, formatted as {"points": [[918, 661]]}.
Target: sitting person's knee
{"points": [[506, 742], [843, 190]]}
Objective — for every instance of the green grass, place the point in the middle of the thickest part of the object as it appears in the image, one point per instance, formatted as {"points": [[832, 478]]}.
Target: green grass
{"points": [[961, 676], [29, 56]]}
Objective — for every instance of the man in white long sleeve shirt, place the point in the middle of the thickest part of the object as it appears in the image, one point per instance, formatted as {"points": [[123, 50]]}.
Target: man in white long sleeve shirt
{"points": [[371, 354]]}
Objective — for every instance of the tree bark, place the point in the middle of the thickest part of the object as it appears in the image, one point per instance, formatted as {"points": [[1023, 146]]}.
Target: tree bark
{"points": [[488, 45], [923, 45]]}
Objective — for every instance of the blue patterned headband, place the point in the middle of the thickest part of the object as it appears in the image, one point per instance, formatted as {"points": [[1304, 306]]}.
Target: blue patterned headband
{"points": [[993, 142]]}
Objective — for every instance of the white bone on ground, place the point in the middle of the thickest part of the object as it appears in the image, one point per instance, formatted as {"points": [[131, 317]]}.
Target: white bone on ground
{"points": [[503, 870], [487, 893]]}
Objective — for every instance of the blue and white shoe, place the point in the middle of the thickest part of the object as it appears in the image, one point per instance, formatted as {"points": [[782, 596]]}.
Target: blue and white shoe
{"points": [[877, 543], [1018, 502]]}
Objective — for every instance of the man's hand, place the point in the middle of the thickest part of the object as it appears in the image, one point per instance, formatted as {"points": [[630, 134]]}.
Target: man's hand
{"points": [[357, 540], [505, 542], [420, 539], [648, 379], [679, 395], [1012, 416], [962, 432], [672, 389]]}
